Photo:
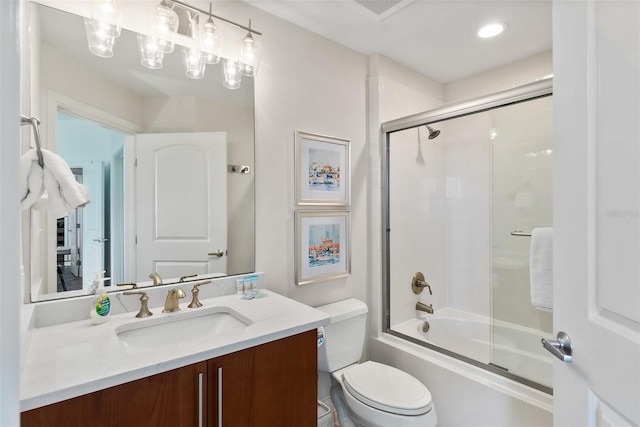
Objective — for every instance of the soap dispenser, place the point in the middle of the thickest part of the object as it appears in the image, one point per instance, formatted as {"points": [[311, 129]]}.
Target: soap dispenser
{"points": [[100, 304]]}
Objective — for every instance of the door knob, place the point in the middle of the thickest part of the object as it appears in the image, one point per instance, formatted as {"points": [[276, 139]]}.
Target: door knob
{"points": [[560, 348], [217, 253], [101, 240]]}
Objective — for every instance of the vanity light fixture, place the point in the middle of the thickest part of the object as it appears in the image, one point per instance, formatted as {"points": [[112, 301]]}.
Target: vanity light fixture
{"points": [[151, 53], [209, 41], [104, 26], [99, 38], [193, 61], [232, 75], [109, 14], [164, 24], [491, 30], [249, 54]]}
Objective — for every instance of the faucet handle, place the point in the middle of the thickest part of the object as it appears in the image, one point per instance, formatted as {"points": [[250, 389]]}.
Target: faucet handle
{"points": [[186, 277], [195, 302], [135, 285], [418, 283], [144, 303]]}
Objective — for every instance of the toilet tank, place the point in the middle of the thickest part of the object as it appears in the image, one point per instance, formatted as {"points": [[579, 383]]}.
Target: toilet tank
{"points": [[344, 335]]}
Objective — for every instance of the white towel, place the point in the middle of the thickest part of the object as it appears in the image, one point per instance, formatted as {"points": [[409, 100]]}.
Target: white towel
{"points": [[541, 268], [63, 192]]}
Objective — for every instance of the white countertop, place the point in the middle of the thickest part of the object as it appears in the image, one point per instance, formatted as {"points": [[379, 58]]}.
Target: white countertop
{"points": [[76, 358]]}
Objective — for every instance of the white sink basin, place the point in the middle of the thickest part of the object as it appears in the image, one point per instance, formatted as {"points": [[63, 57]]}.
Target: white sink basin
{"points": [[174, 329]]}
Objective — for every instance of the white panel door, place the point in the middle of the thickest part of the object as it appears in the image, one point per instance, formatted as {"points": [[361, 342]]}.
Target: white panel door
{"points": [[181, 204], [596, 211], [93, 234]]}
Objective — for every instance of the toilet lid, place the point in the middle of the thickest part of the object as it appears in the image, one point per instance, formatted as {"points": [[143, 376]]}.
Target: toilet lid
{"points": [[387, 389]]}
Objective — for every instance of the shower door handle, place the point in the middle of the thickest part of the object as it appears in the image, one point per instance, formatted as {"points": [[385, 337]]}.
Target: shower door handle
{"points": [[560, 348]]}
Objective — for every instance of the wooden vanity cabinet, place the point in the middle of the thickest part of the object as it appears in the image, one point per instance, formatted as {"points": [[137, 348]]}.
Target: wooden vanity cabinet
{"points": [[273, 384], [169, 399]]}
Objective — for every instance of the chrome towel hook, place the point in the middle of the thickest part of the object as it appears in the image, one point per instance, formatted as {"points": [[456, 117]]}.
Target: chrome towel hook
{"points": [[35, 124]]}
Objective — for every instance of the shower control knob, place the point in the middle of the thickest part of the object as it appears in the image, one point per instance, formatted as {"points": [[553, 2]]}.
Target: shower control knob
{"points": [[418, 284]]}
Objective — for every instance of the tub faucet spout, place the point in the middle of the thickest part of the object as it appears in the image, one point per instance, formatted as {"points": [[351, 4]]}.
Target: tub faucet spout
{"points": [[424, 307]]}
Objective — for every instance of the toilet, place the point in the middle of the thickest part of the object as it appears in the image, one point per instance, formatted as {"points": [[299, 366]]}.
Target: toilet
{"points": [[375, 395]]}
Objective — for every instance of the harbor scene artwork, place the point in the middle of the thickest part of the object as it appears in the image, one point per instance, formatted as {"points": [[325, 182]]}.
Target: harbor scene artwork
{"points": [[324, 170], [324, 245]]}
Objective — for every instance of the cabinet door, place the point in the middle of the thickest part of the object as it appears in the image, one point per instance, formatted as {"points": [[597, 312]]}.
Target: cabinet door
{"points": [[174, 398], [274, 384]]}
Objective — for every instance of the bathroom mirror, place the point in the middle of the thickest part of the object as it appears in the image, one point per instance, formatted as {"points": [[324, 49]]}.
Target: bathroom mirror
{"points": [[101, 115]]}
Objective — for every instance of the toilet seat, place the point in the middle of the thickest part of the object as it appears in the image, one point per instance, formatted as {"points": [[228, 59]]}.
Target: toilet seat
{"points": [[387, 389]]}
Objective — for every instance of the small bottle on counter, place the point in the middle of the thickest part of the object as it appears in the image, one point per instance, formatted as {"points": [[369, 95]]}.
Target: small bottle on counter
{"points": [[100, 311]]}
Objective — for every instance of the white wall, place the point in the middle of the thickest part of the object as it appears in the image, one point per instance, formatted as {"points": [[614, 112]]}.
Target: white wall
{"points": [[306, 83], [515, 74], [396, 91], [9, 213]]}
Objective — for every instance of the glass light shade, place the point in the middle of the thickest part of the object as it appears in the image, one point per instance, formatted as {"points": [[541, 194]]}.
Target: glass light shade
{"points": [[100, 42], [193, 63], [249, 55], [209, 43], [164, 26], [107, 11], [151, 52], [232, 74]]}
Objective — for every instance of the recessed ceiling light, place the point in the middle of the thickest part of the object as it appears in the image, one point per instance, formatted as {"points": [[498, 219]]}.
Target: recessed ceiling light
{"points": [[491, 30]]}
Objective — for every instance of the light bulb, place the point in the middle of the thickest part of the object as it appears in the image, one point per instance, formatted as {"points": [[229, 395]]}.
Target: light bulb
{"points": [[108, 11], [151, 52], [249, 55], [232, 74], [164, 26], [100, 40], [194, 65], [209, 42]]}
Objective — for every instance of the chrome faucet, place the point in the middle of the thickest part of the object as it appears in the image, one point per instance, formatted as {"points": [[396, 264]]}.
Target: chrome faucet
{"points": [[171, 304], [157, 280], [424, 307]]}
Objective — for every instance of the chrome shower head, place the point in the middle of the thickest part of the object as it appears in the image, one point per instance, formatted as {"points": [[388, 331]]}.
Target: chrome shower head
{"points": [[433, 133]]}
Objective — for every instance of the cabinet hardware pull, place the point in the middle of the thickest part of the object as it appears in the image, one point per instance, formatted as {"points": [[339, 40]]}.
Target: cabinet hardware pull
{"points": [[220, 396], [200, 399]]}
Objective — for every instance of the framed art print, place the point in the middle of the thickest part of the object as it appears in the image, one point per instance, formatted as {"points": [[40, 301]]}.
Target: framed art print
{"points": [[322, 246], [322, 170]]}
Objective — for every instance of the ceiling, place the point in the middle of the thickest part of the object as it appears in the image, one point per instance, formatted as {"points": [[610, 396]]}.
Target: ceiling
{"points": [[437, 38]]}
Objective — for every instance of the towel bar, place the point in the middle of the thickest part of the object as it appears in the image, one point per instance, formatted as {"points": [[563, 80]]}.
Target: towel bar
{"points": [[520, 233]]}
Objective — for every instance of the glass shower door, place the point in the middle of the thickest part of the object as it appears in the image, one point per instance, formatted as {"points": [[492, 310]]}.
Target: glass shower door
{"points": [[521, 156]]}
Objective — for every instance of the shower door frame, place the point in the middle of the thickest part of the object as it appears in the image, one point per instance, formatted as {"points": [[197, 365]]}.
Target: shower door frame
{"points": [[524, 93]]}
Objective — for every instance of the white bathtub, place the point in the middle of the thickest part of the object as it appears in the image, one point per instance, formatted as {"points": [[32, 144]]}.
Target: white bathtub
{"points": [[502, 344], [463, 393]]}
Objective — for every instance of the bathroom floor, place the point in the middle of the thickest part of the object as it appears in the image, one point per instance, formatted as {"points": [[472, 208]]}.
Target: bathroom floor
{"points": [[327, 401], [67, 281]]}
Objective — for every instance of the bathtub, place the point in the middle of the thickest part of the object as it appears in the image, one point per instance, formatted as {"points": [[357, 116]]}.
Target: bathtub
{"points": [[465, 392], [505, 346]]}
